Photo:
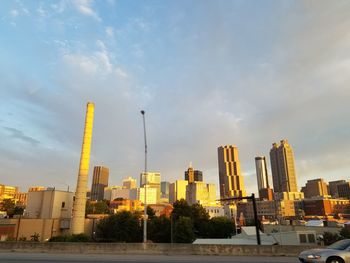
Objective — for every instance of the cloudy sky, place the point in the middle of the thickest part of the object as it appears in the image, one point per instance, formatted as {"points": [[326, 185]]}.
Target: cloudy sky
{"points": [[207, 73]]}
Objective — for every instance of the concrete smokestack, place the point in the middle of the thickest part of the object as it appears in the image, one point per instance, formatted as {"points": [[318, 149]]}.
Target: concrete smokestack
{"points": [[78, 218]]}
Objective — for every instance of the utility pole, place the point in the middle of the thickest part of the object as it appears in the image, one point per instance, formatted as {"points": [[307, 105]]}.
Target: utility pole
{"points": [[146, 177]]}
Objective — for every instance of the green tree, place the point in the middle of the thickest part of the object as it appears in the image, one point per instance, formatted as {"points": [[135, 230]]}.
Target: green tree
{"points": [[184, 230], [121, 227], [9, 205], [181, 208], [200, 219], [18, 210], [151, 213], [99, 207], [159, 229], [221, 227]]}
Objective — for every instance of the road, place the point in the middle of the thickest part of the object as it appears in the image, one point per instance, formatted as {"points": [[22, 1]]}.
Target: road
{"points": [[79, 258]]}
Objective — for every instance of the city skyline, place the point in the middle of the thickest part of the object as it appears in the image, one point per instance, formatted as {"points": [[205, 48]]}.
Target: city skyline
{"points": [[203, 83]]}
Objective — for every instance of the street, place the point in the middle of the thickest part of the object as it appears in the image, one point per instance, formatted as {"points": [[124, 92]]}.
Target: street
{"points": [[103, 258]]}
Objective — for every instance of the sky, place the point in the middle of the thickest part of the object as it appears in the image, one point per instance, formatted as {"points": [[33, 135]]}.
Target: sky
{"points": [[207, 73]]}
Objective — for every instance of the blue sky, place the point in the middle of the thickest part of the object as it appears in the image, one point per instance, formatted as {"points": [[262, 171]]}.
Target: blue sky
{"points": [[208, 73]]}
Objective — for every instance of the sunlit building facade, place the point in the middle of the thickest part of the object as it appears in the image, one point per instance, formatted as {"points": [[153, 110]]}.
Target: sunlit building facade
{"points": [[283, 168], [230, 177]]}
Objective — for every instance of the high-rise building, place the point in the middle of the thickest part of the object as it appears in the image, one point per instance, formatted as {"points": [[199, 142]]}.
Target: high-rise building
{"points": [[99, 182], [344, 190], [333, 187], [164, 190], [282, 166], [230, 177], [152, 180], [177, 191], [193, 175], [314, 188], [129, 183], [261, 172], [200, 193]]}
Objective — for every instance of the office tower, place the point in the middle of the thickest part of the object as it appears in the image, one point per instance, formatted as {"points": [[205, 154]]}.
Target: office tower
{"points": [[200, 193], [99, 182], [314, 188], [177, 191], [344, 190], [230, 178], [193, 175], [164, 189], [261, 172], [152, 179], [78, 218], [129, 183], [282, 166], [333, 187]]}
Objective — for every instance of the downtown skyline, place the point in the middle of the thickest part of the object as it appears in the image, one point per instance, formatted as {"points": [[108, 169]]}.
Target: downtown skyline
{"points": [[250, 75]]}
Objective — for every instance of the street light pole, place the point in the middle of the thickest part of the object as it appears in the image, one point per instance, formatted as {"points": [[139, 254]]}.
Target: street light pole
{"points": [[145, 183]]}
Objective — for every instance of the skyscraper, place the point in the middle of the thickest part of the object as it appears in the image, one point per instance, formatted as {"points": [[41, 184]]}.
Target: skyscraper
{"points": [[78, 217], [261, 172], [230, 178], [193, 175], [99, 182], [129, 183], [282, 166], [152, 180]]}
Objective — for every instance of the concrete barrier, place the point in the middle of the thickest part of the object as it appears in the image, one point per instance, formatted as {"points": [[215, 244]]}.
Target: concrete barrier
{"points": [[151, 249]]}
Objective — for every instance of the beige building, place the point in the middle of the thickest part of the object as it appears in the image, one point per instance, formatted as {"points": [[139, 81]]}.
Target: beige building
{"points": [[139, 194], [99, 182], [129, 183], [289, 196], [152, 179], [314, 188], [114, 192], [49, 203], [230, 177], [177, 191], [200, 193], [283, 168]]}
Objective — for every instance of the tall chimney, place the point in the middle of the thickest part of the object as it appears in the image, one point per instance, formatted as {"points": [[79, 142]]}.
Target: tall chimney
{"points": [[78, 219]]}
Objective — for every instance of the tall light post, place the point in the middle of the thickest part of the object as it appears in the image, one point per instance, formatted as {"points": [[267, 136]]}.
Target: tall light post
{"points": [[145, 183]]}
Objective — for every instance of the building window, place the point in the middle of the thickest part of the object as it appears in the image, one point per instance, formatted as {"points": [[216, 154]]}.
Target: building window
{"points": [[311, 238], [63, 204], [302, 238]]}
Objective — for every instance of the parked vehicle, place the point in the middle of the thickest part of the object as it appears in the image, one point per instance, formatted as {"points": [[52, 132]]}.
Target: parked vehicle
{"points": [[338, 252]]}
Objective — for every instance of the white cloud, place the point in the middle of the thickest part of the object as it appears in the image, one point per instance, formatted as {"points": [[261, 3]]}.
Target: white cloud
{"points": [[14, 13], [85, 8], [110, 31]]}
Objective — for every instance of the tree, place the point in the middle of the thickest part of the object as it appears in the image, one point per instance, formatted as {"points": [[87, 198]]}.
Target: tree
{"points": [[150, 212], [99, 207], [220, 227], [181, 208], [121, 227], [200, 219], [159, 229], [9, 205], [184, 230]]}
